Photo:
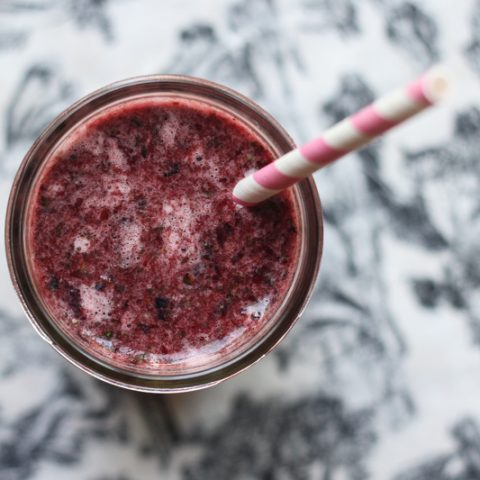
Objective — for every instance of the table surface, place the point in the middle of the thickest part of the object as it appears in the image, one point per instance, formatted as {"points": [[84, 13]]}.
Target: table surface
{"points": [[381, 377]]}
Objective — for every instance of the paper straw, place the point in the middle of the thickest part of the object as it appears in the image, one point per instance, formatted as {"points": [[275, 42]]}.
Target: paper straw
{"points": [[344, 137]]}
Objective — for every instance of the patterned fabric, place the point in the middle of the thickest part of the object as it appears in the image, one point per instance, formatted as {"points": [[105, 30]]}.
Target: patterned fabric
{"points": [[380, 378]]}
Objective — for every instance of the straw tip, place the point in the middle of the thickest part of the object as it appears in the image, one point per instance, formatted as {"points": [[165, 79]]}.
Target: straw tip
{"points": [[437, 83], [241, 202]]}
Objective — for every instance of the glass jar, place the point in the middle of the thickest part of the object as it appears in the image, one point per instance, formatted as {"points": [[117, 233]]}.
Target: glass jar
{"points": [[177, 378]]}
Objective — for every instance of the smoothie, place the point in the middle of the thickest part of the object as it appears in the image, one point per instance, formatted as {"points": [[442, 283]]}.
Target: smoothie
{"points": [[137, 250]]}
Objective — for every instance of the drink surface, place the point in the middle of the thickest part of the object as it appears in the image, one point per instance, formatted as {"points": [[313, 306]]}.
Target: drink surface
{"points": [[136, 247]]}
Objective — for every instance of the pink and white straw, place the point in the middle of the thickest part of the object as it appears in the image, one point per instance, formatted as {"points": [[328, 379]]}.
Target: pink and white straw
{"points": [[348, 135]]}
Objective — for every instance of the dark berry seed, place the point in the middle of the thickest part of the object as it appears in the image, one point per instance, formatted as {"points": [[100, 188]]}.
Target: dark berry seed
{"points": [[222, 308], [223, 231], [144, 328], [108, 334], [188, 279], [99, 286], [161, 302], [137, 122], [105, 165], [75, 300], [142, 203], [198, 158], [144, 151], [214, 142], [54, 283], [173, 170], [59, 229]]}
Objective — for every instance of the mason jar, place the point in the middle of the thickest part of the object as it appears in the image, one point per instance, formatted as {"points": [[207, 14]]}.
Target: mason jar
{"points": [[181, 376]]}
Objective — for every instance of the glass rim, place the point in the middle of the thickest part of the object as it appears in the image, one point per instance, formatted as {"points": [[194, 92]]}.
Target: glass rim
{"points": [[309, 256]]}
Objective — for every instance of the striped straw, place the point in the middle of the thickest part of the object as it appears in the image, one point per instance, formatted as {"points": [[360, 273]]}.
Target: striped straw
{"points": [[344, 137]]}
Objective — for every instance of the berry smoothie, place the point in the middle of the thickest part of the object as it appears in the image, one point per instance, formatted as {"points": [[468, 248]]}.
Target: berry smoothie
{"points": [[137, 250]]}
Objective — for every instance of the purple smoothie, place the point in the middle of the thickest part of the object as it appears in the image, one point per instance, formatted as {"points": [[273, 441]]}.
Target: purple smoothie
{"points": [[137, 249]]}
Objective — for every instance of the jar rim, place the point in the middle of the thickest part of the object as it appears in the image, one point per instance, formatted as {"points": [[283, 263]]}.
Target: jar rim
{"points": [[306, 194]]}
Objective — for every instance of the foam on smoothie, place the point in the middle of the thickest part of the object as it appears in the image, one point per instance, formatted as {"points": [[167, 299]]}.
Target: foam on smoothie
{"points": [[137, 249]]}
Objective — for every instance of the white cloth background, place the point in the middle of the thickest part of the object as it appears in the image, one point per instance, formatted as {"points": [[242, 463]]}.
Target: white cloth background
{"points": [[381, 377]]}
